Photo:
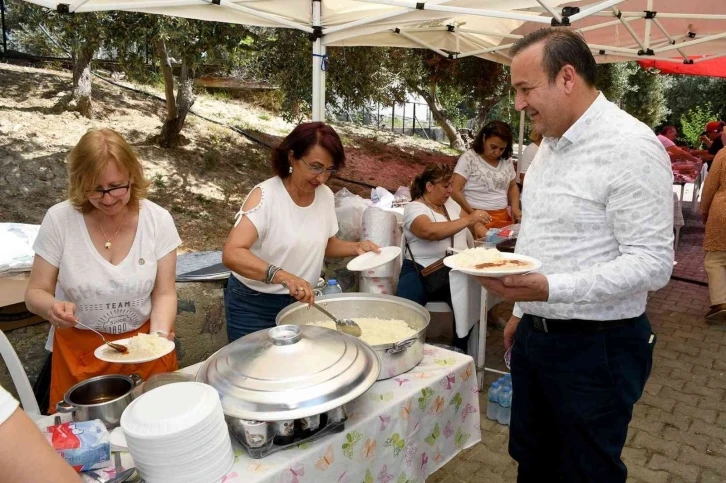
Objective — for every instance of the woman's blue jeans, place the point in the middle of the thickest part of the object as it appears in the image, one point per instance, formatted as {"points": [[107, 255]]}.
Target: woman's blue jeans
{"points": [[248, 310]]}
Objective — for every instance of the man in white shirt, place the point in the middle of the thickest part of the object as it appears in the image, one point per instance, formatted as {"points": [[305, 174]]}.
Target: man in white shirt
{"points": [[598, 212]]}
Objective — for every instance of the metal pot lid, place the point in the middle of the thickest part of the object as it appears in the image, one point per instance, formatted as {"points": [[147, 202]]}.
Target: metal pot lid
{"points": [[290, 372]]}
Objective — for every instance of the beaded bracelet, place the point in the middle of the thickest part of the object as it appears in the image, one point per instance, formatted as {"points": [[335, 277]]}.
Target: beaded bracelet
{"points": [[270, 273]]}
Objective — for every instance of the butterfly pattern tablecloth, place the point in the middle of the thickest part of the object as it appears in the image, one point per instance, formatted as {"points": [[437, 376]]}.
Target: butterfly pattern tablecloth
{"points": [[400, 431]]}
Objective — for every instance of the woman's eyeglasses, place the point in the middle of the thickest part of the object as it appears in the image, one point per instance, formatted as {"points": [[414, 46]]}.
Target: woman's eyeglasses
{"points": [[317, 169], [116, 192]]}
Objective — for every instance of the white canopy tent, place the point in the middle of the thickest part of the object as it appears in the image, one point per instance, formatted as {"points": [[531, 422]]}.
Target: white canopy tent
{"points": [[616, 30]]}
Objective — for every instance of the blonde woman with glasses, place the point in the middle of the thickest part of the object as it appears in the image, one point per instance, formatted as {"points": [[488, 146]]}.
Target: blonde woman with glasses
{"points": [[106, 258]]}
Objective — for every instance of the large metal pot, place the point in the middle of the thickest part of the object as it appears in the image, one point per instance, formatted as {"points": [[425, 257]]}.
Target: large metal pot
{"points": [[101, 397], [396, 358], [289, 372]]}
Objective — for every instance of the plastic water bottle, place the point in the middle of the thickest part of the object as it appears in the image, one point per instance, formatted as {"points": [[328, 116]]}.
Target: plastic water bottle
{"points": [[332, 287], [507, 380], [505, 406], [493, 404]]}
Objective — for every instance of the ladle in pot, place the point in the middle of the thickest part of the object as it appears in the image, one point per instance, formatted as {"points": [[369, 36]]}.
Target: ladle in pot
{"points": [[346, 326]]}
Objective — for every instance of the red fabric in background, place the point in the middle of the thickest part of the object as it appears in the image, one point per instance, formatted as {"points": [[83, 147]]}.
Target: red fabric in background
{"points": [[710, 68]]}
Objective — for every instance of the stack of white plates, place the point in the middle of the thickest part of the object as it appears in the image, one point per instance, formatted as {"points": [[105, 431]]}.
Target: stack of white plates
{"points": [[177, 434]]}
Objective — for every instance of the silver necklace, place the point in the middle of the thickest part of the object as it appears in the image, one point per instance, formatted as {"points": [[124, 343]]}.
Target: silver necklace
{"points": [[108, 243]]}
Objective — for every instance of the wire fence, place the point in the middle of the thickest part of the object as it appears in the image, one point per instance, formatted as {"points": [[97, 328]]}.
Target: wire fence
{"points": [[410, 119]]}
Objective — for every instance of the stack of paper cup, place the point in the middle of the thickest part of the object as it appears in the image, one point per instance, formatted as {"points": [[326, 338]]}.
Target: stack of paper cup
{"points": [[177, 434], [376, 285]]}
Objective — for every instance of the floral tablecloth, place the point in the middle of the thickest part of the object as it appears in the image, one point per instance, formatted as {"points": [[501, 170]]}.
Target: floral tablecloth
{"points": [[400, 431]]}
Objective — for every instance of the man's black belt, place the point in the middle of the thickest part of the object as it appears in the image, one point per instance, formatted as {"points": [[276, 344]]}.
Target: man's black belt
{"points": [[578, 325]]}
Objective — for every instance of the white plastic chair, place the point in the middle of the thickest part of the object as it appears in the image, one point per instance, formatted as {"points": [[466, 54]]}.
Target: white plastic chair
{"points": [[20, 378]]}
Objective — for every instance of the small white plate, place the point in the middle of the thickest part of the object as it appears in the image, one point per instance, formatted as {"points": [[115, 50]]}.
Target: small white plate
{"points": [[372, 259], [102, 352], [532, 264]]}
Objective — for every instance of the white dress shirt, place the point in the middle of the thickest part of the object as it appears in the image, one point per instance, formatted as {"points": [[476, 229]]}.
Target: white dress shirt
{"points": [[598, 213]]}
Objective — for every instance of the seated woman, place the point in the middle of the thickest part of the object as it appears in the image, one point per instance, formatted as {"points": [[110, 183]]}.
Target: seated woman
{"points": [[484, 178], [286, 226], [106, 257], [431, 224]]}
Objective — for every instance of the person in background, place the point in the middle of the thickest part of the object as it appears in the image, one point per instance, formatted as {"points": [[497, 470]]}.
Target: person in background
{"points": [[667, 137], [598, 214], [528, 155], [714, 129], [432, 222], [284, 230], [485, 179], [25, 454], [713, 212], [106, 257]]}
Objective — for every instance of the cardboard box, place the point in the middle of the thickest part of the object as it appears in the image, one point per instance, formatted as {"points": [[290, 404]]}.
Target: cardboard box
{"points": [[13, 312]]}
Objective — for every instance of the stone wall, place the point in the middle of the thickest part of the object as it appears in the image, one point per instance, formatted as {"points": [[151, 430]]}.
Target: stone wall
{"points": [[200, 331]]}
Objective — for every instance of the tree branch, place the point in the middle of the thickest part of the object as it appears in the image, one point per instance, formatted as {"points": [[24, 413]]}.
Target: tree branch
{"points": [[55, 42]]}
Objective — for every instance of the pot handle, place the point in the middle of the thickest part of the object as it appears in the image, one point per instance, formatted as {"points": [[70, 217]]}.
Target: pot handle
{"points": [[136, 379], [401, 346], [64, 407]]}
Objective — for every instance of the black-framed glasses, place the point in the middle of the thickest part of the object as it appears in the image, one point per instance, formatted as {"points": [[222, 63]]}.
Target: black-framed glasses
{"points": [[116, 192], [317, 169]]}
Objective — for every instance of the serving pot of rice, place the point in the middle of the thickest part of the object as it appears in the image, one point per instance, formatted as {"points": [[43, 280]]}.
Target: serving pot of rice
{"points": [[393, 326]]}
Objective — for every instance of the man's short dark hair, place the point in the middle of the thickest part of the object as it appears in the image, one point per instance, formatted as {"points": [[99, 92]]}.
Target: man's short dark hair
{"points": [[561, 47]]}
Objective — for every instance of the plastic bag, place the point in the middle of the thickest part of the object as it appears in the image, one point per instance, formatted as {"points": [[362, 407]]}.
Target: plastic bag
{"points": [[17, 254], [349, 210], [381, 197], [85, 445]]}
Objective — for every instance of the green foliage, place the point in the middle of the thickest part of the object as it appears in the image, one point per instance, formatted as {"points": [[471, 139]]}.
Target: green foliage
{"points": [[645, 98], [44, 32], [687, 92], [693, 122], [158, 181], [612, 79]]}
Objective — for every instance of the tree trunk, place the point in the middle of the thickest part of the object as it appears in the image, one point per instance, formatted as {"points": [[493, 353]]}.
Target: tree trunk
{"points": [[177, 107], [168, 77], [439, 114], [170, 132], [82, 80]]}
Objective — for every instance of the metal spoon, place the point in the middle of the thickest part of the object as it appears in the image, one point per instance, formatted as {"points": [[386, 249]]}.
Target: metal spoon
{"points": [[121, 348], [347, 326]]}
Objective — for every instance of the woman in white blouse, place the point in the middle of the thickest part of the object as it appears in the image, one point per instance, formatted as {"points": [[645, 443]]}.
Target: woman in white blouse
{"points": [[484, 178], [285, 229], [432, 222]]}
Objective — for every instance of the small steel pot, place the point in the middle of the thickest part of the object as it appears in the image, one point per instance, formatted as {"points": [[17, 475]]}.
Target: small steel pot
{"points": [[101, 397]]}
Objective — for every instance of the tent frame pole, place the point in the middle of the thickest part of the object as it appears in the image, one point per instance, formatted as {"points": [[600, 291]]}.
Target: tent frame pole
{"points": [[318, 106]]}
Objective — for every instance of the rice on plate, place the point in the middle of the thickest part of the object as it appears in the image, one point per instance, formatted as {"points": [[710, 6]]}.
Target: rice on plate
{"points": [[144, 347]]}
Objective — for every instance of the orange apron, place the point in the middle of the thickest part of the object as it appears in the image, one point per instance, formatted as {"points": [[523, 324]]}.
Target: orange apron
{"points": [[73, 360], [500, 218]]}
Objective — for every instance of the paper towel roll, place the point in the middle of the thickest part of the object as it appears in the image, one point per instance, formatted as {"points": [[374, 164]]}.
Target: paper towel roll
{"points": [[380, 227]]}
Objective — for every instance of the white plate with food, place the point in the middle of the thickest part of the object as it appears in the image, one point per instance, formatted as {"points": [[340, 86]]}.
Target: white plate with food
{"points": [[141, 348], [372, 259], [490, 262]]}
